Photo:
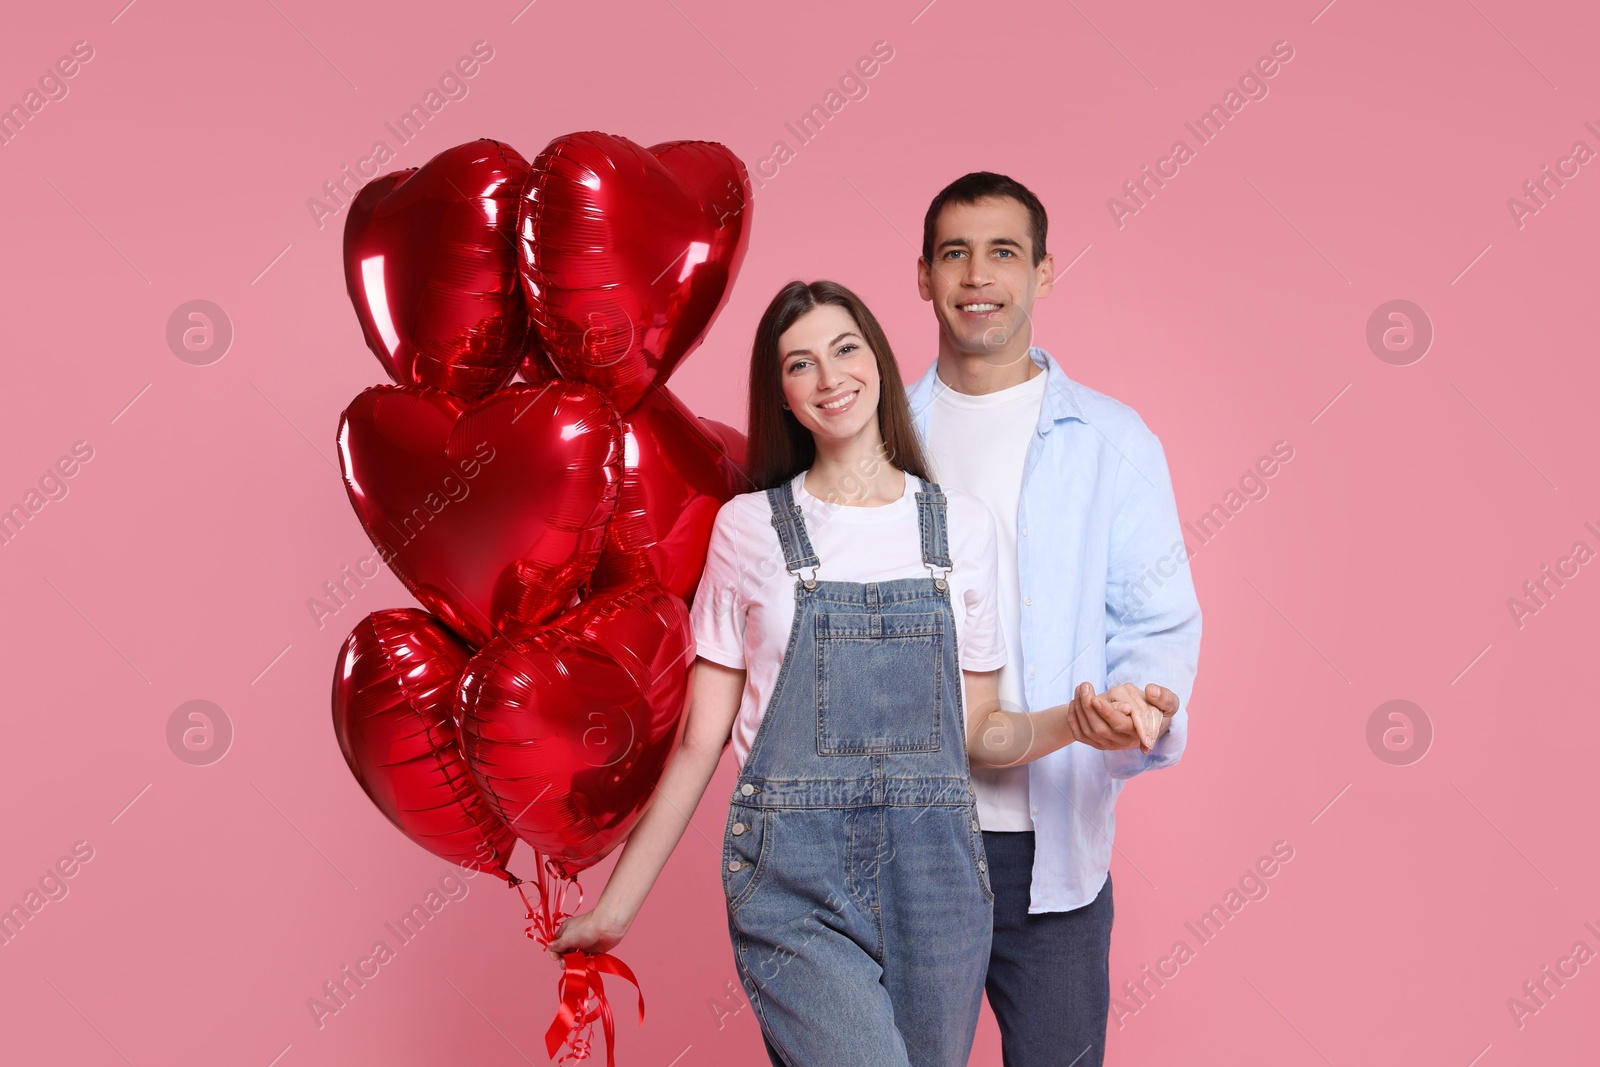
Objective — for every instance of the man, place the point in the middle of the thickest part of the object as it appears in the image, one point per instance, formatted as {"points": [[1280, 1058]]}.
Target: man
{"points": [[1090, 589]]}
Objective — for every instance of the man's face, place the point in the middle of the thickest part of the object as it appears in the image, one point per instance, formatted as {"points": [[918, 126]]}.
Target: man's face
{"points": [[983, 281]]}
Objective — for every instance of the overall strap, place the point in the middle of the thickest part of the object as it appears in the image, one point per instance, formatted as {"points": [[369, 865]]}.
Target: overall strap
{"points": [[791, 527], [931, 521]]}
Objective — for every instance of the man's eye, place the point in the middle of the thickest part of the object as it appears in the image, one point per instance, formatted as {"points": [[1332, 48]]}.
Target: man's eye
{"points": [[1005, 252], [952, 254]]}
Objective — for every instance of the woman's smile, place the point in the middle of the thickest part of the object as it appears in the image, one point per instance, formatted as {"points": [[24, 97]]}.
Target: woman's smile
{"points": [[839, 404]]}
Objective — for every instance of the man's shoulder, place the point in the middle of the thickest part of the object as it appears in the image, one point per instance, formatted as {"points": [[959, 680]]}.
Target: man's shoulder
{"points": [[1113, 435], [1104, 412]]}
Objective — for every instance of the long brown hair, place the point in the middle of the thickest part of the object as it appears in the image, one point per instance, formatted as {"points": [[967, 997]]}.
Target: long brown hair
{"points": [[780, 447]]}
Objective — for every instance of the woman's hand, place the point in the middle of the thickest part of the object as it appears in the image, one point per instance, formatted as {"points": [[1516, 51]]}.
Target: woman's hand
{"points": [[587, 932], [1121, 717]]}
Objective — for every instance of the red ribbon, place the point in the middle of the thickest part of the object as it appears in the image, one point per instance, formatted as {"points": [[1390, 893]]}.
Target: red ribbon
{"points": [[581, 990], [583, 1000]]}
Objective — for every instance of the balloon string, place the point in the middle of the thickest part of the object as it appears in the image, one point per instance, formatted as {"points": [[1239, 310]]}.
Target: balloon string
{"points": [[580, 989]]}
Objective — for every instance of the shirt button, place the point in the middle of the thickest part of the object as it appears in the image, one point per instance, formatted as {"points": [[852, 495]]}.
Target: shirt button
{"points": [[982, 866], [1030, 671], [738, 828], [1028, 601], [735, 865], [974, 824], [1036, 811], [747, 789], [1024, 531]]}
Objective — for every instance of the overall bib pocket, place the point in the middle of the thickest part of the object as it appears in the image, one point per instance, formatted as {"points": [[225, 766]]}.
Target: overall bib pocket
{"points": [[745, 847], [880, 682]]}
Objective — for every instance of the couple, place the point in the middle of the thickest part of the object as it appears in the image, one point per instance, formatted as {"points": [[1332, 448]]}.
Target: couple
{"points": [[924, 804]]}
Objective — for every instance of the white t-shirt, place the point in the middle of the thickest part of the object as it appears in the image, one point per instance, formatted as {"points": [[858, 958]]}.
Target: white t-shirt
{"points": [[745, 605], [978, 444]]}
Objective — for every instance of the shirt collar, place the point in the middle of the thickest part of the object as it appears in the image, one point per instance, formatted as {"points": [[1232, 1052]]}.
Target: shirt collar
{"points": [[1060, 393]]}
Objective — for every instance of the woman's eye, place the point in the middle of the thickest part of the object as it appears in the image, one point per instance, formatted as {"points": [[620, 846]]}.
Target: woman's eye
{"points": [[843, 349], [798, 364]]}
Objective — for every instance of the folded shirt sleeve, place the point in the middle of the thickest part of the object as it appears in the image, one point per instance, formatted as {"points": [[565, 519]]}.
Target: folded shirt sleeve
{"points": [[717, 616], [983, 644]]}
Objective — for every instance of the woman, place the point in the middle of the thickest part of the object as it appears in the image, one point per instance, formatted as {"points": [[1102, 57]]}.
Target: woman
{"points": [[826, 625]]}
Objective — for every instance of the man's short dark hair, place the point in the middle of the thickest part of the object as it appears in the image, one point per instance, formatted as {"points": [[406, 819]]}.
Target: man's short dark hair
{"points": [[986, 185]]}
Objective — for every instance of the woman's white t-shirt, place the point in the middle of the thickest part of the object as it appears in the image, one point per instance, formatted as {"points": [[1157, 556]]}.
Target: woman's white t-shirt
{"points": [[745, 605]]}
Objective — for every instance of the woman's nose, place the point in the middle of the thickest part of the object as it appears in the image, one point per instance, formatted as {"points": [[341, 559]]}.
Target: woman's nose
{"points": [[828, 375]]}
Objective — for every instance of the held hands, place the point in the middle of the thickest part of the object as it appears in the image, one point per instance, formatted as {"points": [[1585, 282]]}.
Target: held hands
{"points": [[586, 932], [1122, 717]]}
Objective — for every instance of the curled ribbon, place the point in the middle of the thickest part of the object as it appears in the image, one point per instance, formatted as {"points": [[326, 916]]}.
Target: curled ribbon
{"points": [[581, 990]]}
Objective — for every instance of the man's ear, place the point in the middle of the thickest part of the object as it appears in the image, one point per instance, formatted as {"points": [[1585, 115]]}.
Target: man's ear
{"points": [[924, 281], [1047, 274]]}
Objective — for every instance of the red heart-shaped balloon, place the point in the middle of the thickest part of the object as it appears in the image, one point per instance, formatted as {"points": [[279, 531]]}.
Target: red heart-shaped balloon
{"points": [[628, 253], [430, 263], [675, 477], [491, 512], [394, 692], [567, 731], [735, 451]]}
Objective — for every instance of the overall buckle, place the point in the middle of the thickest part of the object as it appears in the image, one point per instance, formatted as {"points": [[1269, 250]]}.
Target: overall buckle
{"points": [[810, 582]]}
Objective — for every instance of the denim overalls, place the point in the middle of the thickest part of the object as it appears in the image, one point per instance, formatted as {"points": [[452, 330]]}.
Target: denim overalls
{"points": [[858, 897]]}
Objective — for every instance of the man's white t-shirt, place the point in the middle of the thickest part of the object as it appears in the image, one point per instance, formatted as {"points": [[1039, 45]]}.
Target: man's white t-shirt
{"points": [[744, 609], [978, 444]]}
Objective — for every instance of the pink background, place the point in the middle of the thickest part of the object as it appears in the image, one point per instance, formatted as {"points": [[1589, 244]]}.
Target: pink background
{"points": [[1230, 311]]}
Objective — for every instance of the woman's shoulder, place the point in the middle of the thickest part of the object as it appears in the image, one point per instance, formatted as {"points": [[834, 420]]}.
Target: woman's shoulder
{"points": [[745, 510], [755, 500]]}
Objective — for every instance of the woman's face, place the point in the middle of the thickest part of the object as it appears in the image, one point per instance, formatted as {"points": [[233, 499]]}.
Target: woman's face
{"points": [[830, 376]]}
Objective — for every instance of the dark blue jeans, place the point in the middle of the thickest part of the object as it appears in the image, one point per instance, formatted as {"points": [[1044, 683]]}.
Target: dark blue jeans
{"points": [[1049, 975]]}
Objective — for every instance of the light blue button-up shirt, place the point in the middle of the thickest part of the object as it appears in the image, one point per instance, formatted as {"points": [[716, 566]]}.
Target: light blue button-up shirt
{"points": [[1101, 555]]}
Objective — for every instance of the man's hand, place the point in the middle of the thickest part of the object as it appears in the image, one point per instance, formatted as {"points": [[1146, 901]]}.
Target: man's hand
{"points": [[1122, 717]]}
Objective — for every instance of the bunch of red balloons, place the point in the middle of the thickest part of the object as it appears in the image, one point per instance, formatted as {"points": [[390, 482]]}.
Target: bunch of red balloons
{"points": [[534, 484]]}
